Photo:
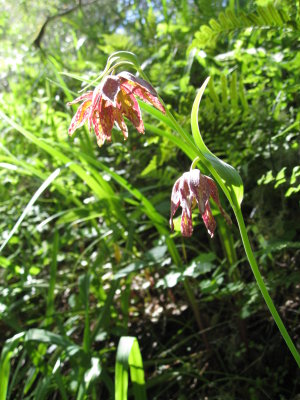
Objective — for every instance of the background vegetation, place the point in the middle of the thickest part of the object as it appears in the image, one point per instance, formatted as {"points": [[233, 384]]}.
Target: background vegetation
{"points": [[89, 262]]}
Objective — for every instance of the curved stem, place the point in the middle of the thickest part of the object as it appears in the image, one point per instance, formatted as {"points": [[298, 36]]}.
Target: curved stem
{"points": [[177, 127], [250, 256], [181, 131], [262, 286], [194, 163], [244, 236], [251, 259]]}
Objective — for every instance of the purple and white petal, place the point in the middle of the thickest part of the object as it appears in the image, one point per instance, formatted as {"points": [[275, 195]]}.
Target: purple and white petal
{"points": [[110, 87], [80, 117], [131, 110], [85, 96], [175, 201]]}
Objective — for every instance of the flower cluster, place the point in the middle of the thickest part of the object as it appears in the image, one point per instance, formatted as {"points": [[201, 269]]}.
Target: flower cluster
{"points": [[190, 189], [114, 99], [110, 101]]}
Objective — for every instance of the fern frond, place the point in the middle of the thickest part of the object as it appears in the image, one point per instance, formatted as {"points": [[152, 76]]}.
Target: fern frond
{"points": [[228, 94], [264, 17]]}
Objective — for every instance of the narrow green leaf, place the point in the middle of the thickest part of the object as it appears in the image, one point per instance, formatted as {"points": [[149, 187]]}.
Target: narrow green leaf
{"points": [[165, 10], [265, 15], [225, 22], [38, 335], [6, 355], [275, 14], [54, 65], [27, 209], [227, 177], [53, 271], [244, 18], [103, 320], [213, 94], [84, 287], [242, 95], [234, 20], [224, 90], [92, 373], [283, 15], [129, 357], [156, 114], [233, 92], [102, 190], [215, 25], [176, 140]]}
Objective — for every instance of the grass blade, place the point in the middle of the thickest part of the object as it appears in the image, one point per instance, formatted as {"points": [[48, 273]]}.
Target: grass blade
{"points": [[37, 335], [129, 357], [33, 199], [6, 355], [53, 272]]}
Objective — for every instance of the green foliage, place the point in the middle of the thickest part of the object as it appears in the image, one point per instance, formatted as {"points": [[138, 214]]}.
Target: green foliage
{"points": [[92, 259], [281, 179], [265, 17]]}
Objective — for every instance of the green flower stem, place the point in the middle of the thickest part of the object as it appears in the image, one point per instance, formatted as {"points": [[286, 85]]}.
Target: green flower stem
{"points": [[262, 286], [188, 138], [194, 163], [244, 236], [248, 250]]}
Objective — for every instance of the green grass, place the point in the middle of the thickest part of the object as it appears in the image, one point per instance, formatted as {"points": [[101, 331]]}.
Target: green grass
{"points": [[92, 281]]}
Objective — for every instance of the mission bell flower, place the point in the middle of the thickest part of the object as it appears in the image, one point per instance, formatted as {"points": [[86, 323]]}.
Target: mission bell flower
{"points": [[190, 189], [110, 101]]}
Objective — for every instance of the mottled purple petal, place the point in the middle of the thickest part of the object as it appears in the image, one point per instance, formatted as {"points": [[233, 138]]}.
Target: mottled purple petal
{"points": [[127, 76], [181, 195], [186, 200], [175, 200], [98, 131], [85, 96], [121, 123], [190, 188], [186, 226], [144, 95], [194, 178], [185, 192], [213, 190], [110, 88], [96, 100], [130, 108], [209, 220], [80, 117], [199, 188], [107, 117]]}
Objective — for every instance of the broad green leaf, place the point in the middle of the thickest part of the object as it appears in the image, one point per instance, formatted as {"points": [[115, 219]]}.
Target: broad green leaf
{"points": [[227, 177]]}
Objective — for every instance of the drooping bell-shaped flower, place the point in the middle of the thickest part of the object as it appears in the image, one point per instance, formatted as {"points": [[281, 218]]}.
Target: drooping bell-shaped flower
{"points": [[110, 101], [190, 189]]}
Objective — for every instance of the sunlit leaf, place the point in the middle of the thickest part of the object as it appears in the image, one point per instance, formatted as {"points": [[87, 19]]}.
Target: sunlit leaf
{"points": [[227, 177], [129, 358]]}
